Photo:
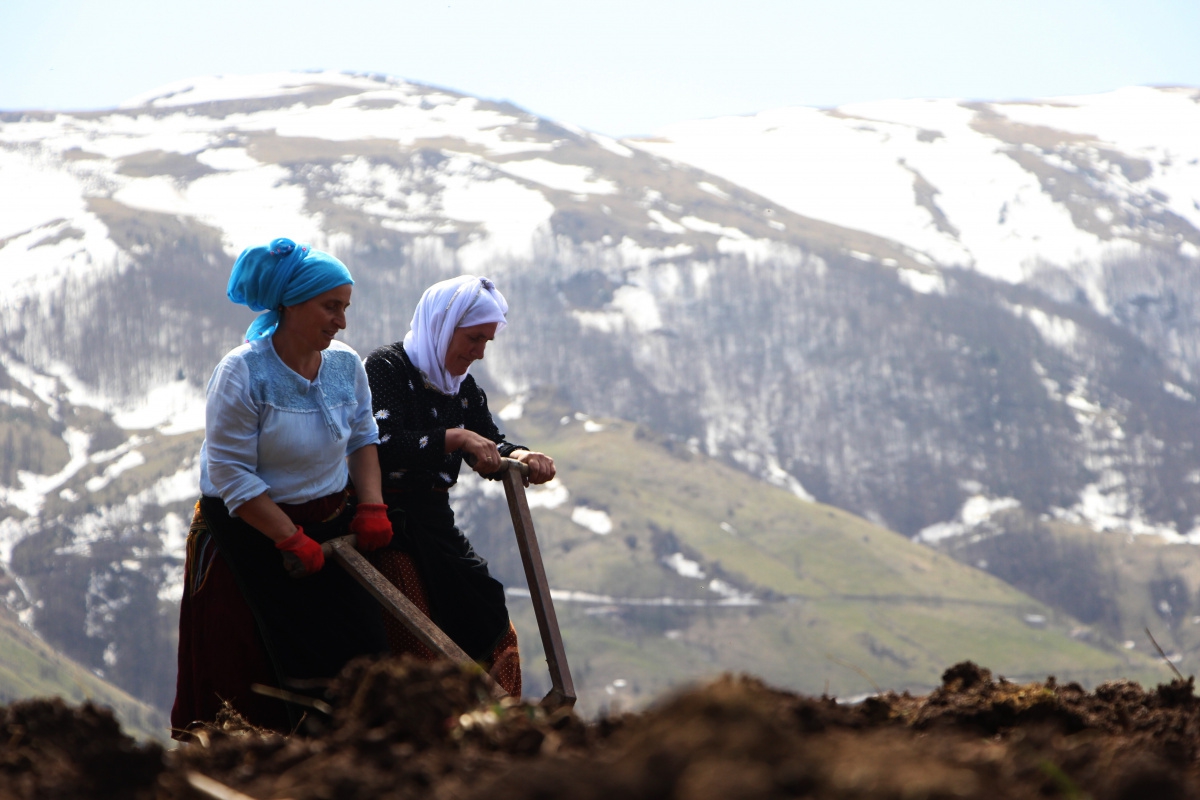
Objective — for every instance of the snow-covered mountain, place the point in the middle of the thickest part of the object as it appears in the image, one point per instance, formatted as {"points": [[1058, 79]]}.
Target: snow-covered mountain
{"points": [[922, 312], [1067, 194]]}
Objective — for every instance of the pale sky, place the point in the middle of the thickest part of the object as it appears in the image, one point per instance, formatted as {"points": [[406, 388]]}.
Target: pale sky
{"points": [[619, 67]]}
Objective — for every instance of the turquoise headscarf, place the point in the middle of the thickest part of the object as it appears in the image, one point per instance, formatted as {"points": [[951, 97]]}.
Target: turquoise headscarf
{"points": [[282, 273]]}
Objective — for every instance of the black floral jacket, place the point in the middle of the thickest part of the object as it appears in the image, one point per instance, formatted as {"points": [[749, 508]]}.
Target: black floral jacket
{"points": [[413, 418]]}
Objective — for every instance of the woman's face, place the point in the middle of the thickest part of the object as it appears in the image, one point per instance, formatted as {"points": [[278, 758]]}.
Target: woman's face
{"points": [[466, 347], [316, 321]]}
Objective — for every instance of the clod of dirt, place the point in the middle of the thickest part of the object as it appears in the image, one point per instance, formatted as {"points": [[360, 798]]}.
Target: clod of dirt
{"points": [[409, 729], [973, 737], [400, 728], [403, 701], [51, 750]]}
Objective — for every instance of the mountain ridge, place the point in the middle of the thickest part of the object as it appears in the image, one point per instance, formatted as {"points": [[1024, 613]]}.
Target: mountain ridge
{"points": [[829, 361]]}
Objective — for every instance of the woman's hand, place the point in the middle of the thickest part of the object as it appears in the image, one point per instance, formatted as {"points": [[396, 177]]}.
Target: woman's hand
{"points": [[371, 526], [541, 466], [301, 555], [484, 455]]}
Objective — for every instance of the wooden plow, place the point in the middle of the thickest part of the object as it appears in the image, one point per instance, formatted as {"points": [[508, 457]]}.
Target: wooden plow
{"points": [[562, 691]]}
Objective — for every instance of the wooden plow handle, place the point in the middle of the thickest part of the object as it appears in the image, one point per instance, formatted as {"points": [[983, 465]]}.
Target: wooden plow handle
{"points": [[562, 691], [395, 603], [514, 475]]}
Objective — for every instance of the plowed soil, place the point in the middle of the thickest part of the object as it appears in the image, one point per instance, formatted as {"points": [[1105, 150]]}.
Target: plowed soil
{"points": [[405, 729]]}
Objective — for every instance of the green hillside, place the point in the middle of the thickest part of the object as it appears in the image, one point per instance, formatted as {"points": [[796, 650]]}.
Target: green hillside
{"points": [[31, 668], [1115, 583], [845, 606]]}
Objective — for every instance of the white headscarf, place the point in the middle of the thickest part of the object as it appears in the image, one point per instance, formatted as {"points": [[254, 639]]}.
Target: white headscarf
{"points": [[456, 303]]}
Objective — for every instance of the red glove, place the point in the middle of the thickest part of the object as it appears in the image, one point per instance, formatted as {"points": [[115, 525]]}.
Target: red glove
{"points": [[372, 526], [301, 555]]}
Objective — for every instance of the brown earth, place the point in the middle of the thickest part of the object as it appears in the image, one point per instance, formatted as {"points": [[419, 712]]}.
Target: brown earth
{"points": [[405, 729]]}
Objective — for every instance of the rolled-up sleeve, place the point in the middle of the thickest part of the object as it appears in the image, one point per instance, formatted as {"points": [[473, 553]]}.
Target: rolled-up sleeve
{"points": [[231, 434], [364, 430]]}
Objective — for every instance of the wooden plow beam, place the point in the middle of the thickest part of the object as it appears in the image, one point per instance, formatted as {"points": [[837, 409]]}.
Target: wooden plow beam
{"points": [[562, 692], [562, 688]]}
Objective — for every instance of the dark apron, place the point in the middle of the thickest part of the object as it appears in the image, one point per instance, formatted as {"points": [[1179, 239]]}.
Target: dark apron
{"points": [[310, 626]]}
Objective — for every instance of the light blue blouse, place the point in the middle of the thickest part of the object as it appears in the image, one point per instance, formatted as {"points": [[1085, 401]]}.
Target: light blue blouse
{"points": [[267, 429]]}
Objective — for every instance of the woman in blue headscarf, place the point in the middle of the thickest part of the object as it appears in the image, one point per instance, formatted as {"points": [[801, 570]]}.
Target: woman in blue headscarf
{"points": [[288, 422]]}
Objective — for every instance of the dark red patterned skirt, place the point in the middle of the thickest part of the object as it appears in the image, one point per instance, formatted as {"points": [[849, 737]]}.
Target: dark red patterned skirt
{"points": [[215, 619], [244, 621], [504, 664]]}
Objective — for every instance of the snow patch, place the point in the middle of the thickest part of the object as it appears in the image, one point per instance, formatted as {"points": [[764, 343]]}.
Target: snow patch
{"points": [[639, 307], [611, 145], [778, 476], [1160, 125], [126, 462], [922, 282], [593, 519], [171, 588], [510, 212], [704, 226], [174, 535], [512, 411], [547, 495], [227, 158], [45, 196], [770, 470], [1105, 505], [176, 407], [39, 204], [664, 223], [1178, 391], [44, 387], [600, 321], [731, 594], [633, 254], [975, 511], [14, 399], [712, 189], [1056, 331], [755, 250], [684, 566], [241, 203], [875, 167], [35, 488], [564, 177]]}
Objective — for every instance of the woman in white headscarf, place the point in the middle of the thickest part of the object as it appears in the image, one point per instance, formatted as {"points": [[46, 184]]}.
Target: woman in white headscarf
{"points": [[431, 414]]}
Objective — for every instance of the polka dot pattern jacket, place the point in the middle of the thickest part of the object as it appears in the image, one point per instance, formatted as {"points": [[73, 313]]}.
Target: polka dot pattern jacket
{"points": [[413, 418]]}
